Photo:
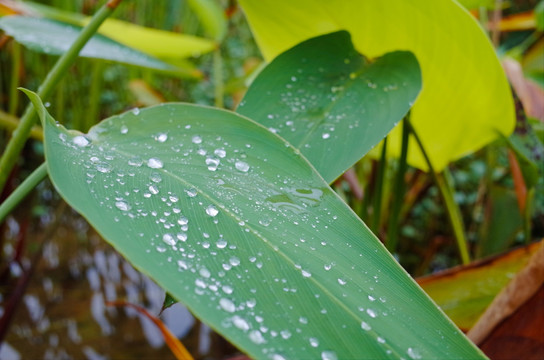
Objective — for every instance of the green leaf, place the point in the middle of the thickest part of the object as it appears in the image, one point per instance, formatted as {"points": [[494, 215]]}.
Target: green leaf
{"points": [[211, 16], [465, 101], [236, 224], [55, 38], [333, 119], [159, 43]]}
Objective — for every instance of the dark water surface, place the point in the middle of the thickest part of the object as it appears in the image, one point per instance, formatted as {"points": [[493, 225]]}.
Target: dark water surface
{"points": [[63, 312]]}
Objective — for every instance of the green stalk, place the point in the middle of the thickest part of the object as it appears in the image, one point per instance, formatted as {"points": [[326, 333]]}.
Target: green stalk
{"points": [[378, 190], [94, 96], [398, 191], [19, 136], [22, 191], [446, 191], [13, 93], [218, 78]]}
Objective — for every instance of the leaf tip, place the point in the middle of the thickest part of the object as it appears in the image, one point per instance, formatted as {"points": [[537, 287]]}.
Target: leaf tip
{"points": [[37, 102]]}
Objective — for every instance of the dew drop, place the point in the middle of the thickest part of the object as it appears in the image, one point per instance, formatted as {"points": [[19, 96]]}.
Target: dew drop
{"points": [[135, 161], [306, 274], [325, 135], [154, 189], [413, 353], [240, 323], [136, 111], [156, 177], [221, 243], [256, 337], [286, 334], [371, 313], [220, 152], [169, 239], [162, 137], [227, 305], [234, 261], [196, 139], [124, 129], [122, 205], [365, 326], [204, 272], [191, 192], [212, 163], [81, 141], [155, 163], [314, 342], [103, 167], [212, 210], [342, 281], [328, 355], [241, 166]]}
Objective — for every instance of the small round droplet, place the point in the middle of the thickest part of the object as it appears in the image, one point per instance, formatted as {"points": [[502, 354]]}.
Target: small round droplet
{"points": [[196, 139], [162, 137], [306, 274], [314, 342], [371, 313], [155, 163], [242, 166], [221, 243], [154, 189], [124, 129], [212, 210], [156, 177], [325, 135], [135, 161], [136, 111], [365, 326]]}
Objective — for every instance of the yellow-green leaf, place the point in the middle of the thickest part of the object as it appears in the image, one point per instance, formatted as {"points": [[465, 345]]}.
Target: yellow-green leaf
{"points": [[466, 291], [466, 99], [159, 43]]}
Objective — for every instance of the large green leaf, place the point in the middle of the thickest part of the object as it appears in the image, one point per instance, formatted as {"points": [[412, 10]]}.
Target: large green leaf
{"points": [[337, 118], [465, 99], [55, 38], [234, 222]]}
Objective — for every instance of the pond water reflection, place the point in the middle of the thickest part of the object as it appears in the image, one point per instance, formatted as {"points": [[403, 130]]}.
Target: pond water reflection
{"points": [[63, 312]]}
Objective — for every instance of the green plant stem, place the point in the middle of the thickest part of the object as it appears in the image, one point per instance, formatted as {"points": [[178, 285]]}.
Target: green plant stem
{"points": [[14, 84], [11, 122], [378, 190], [398, 191], [94, 95], [22, 191], [19, 136], [218, 78], [446, 192]]}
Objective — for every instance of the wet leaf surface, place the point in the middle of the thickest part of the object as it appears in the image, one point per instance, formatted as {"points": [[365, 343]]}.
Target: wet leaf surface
{"points": [[233, 222]]}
